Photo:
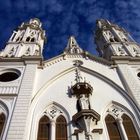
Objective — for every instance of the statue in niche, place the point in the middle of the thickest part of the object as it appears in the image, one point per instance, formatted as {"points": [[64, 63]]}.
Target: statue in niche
{"points": [[83, 102]]}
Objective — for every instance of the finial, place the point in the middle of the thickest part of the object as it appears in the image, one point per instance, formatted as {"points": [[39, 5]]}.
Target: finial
{"points": [[73, 47], [35, 22]]}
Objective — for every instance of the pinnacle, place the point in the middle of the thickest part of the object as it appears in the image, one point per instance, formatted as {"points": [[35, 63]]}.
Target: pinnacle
{"points": [[73, 47]]}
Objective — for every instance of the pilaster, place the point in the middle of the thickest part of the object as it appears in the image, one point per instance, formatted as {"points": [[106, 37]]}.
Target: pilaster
{"points": [[129, 82], [18, 121]]}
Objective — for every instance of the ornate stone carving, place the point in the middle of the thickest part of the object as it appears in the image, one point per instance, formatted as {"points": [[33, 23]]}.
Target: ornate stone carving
{"points": [[136, 51], [12, 52], [73, 47], [27, 52], [53, 112], [121, 51], [115, 111]]}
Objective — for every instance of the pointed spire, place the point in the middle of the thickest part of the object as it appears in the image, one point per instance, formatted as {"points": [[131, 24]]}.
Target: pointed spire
{"points": [[73, 47]]}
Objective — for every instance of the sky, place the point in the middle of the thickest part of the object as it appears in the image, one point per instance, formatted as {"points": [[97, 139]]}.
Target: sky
{"points": [[63, 18]]}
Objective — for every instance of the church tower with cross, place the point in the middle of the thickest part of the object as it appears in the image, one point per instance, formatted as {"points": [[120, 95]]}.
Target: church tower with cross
{"points": [[74, 96]]}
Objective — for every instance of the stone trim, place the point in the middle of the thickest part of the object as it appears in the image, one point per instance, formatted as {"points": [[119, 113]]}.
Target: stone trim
{"points": [[86, 113], [99, 130]]}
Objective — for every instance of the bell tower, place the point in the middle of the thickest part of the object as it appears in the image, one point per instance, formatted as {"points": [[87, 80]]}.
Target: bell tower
{"points": [[113, 40], [27, 40]]}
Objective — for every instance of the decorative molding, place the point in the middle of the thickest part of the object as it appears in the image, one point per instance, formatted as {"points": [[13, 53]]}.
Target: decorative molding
{"points": [[8, 90], [100, 131], [1, 110], [115, 111], [76, 131], [53, 112], [86, 113], [73, 47]]}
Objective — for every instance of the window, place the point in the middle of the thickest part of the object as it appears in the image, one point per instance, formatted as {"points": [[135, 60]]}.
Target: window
{"points": [[44, 128], [129, 128], [8, 75], [53, 126], [32, 39], [61, 128], [119, 125], [2, 122], [138, 74], [28, 39], [112, 128], [116, 40], [111, 40]]}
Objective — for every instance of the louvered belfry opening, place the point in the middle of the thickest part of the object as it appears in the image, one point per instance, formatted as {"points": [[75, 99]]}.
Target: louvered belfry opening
{"points": [[112, 127], [61, 128], [44, 128], [2, 122], [129, 128]]}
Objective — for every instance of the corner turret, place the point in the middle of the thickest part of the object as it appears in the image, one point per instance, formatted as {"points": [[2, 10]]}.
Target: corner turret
{"points": [[73, 47], [27, 40], [113, 40]]}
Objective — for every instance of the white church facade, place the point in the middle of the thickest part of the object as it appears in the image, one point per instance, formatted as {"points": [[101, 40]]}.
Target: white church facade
{"points": [[73, 96]]}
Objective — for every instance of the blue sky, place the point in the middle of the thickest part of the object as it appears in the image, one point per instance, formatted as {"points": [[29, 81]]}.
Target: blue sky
{"points": [[63, 18]]}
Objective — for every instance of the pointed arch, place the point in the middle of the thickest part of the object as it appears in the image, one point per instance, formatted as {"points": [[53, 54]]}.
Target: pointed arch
{"points": [[61, 108], [28, 39], [124, 120], [33, 39], [44, 128], [129, 128], [61, 128], [112, 128], [123, 93]]}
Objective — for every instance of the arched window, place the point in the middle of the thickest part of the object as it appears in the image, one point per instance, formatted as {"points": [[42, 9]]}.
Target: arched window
{"points": [[112, 128], [2, 122], [32, 39], [61, 128], [44, 128], [111, 40], [116, 40], [28, 39], [129, 128]]}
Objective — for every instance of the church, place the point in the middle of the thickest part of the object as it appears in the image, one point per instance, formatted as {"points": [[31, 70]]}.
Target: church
{"points": [[75, 95]]}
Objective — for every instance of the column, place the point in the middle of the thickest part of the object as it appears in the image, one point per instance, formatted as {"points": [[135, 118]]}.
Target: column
{"points": [[53, 130], [121, 129]]}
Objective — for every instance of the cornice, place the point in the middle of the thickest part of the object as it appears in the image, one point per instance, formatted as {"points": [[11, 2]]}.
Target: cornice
{"points": [[84, 55], [125, 60], [23, 60]]}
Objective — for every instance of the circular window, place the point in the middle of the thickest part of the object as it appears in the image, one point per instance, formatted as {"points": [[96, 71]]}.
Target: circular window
{"points": [[138, 74], [9, 75]]}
